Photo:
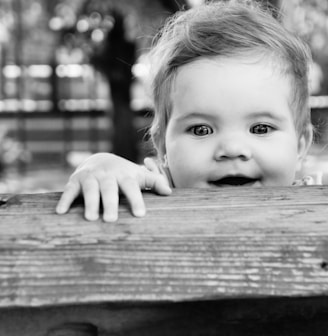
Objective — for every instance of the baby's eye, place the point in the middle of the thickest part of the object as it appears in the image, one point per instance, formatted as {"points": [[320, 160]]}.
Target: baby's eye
{"points": [[261, 129], [201, 130]]}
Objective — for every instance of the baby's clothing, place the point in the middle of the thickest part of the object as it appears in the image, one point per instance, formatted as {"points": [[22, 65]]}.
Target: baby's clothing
{"points": [[313, 179]]}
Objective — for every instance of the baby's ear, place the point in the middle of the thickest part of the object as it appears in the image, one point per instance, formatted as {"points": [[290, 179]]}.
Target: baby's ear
{"points": [[304, 143]]}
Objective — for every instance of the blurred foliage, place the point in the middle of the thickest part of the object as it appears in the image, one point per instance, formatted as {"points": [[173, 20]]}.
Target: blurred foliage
{"points": [[75, 24], [11, 152], [81, 26], [111, 35], [309, 19], [84, 24], [25, 20]]}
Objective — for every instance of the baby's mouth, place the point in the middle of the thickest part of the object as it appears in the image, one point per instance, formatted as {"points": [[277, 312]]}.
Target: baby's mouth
{"points": [[234, 181]]}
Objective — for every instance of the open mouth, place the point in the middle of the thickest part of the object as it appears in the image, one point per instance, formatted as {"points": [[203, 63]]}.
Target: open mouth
{"points": [[234, 181]]}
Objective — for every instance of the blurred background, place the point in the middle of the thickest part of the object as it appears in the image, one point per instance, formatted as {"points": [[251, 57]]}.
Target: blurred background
{"points": [[72, 82]]}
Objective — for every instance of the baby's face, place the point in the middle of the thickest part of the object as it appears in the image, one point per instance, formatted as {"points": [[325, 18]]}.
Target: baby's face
{"points": [[231, 124]]}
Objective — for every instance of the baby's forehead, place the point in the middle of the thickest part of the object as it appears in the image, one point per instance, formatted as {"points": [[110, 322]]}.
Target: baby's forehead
{"points": [[224, 84], [238, 68], [272, 61]]}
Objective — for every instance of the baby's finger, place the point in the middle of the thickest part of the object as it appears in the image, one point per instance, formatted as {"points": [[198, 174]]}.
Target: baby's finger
{"points": [[131, 189], [71, 191], [157, 183], [91, 194], [151, 165], [110, 198]]}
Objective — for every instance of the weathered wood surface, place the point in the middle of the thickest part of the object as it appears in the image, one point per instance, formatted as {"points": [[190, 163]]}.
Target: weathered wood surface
{"points": [[231, 243]]}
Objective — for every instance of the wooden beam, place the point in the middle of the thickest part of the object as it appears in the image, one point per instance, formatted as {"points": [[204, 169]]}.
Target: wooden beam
{"points": [[193, 245]]}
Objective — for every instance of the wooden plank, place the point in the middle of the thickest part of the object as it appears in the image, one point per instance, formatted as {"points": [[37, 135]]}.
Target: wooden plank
{"points": [[230, 243]]}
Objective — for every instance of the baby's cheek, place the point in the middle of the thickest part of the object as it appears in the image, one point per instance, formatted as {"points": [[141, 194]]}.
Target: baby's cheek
{"points": [[182, 174], [284, 174]]}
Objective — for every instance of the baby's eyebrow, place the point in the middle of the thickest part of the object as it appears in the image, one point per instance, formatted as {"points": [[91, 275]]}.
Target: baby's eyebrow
{"points": [[268, 115], [212, 117], [195, 115]]}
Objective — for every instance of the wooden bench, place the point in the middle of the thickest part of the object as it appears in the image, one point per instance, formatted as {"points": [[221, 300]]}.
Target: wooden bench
{"points": [[232, 261]]}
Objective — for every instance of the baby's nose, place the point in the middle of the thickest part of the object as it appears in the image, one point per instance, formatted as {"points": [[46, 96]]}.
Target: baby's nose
{"points": [[233, 148]]}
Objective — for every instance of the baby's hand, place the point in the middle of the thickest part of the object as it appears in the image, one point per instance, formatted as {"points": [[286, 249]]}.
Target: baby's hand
{"points": [[103, 176]]}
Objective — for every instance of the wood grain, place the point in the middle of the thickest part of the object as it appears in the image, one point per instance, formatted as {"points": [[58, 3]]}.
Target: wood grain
{"points": [[193, 245]]}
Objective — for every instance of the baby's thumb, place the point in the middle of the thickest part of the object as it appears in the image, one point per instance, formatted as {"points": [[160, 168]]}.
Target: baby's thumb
{"points": [[157, 183]]}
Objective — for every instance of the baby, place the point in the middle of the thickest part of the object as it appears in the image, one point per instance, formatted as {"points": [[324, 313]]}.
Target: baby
{"points": [[230, 94]]}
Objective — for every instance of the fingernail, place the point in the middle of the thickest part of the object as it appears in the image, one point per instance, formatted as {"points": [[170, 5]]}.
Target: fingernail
{"points": [[140, 212], [110, 217], [60, 210], [91, 216], [169, 189]]}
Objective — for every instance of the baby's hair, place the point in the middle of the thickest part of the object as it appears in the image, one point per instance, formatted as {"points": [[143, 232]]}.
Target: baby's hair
{"points": [[226, 29]]}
